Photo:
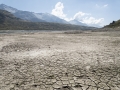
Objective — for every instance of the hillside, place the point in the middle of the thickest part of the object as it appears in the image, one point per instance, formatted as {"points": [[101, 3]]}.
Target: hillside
{"points": [[31, 16], [114, 24], [10, 22]]}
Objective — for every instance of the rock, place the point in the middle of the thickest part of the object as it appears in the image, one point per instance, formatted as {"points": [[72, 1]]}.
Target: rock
{"points": [[66, 88]]}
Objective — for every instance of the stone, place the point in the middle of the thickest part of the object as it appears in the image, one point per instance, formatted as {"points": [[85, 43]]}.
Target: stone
{"points": [[65, 82], [64, 78], [56, 86], [71, 81]]}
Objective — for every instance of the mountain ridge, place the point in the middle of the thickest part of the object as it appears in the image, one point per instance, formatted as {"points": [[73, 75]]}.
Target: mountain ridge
{"points": [[9, 22], [31, 16]]}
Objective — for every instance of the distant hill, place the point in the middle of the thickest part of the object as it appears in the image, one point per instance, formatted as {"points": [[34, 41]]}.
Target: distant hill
{"points": [[114, 24], [33, 17], [9, 22], [76, 22]]}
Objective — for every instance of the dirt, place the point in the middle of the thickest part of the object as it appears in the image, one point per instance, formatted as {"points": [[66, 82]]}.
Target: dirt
{"points": [[60, 61]]}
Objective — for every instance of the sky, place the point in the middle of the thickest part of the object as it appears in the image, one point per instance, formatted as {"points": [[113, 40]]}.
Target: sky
{"points": [[91, 12]]}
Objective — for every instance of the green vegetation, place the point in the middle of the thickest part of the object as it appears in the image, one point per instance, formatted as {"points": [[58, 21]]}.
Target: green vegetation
{"points": [[114, 24], [10, 22]]}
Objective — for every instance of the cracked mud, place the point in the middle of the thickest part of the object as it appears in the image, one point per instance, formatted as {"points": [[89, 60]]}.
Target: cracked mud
{"points": [[58, 61]]}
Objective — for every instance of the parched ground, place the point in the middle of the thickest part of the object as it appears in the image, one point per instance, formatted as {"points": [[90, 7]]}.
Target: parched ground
{"points": [[59, 61]]}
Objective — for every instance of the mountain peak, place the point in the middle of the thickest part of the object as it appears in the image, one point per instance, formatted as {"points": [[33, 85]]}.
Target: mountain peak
{"points": [[8, 8], [3, 5]]}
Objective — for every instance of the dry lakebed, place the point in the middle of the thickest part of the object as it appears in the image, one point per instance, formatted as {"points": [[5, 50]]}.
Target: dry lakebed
{"points": [[60, 61]]}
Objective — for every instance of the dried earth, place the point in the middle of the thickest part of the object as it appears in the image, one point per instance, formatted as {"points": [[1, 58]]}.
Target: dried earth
{"points": [[59, 61]]}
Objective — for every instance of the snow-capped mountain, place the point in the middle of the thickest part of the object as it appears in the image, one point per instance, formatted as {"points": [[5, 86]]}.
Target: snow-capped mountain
{"points": [[76, 22], [31, 16]]}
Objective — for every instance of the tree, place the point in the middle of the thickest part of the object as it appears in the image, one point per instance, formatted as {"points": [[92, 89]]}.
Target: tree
{"points": [[113, 22]]}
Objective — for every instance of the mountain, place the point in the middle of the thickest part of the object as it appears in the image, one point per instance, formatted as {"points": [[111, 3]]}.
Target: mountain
{"points": [[8, 8], [76, 22], [9, 22], [31, 16], [50, 18], [114, 24]]}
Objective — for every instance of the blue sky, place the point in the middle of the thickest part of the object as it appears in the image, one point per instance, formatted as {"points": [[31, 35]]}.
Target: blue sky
{"points": [[99, 12]]}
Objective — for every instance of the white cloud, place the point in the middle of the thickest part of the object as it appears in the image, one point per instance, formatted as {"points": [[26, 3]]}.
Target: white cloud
{"points": [[105, 5], [58, 10], [92, 20], [87, 18], [80, 16]]}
